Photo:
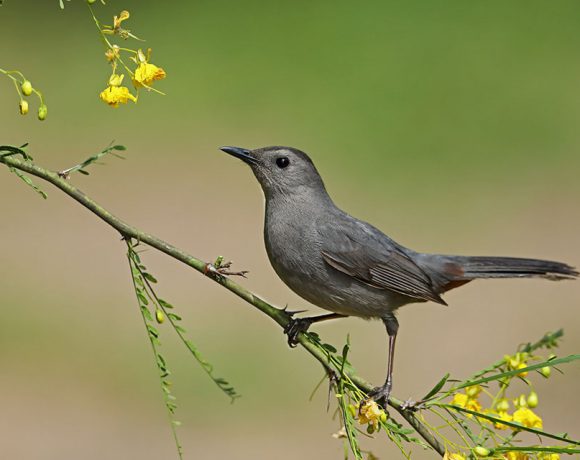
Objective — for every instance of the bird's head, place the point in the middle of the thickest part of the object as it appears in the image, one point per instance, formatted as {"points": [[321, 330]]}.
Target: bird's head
{"points": [[281, 170]]}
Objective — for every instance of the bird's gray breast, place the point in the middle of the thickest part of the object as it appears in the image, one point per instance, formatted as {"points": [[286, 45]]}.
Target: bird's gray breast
{"points": [[293, 242], [293, 247]]}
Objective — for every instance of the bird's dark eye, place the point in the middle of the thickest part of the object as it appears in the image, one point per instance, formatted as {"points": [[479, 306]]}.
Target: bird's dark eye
{"points": [[282, 162]]}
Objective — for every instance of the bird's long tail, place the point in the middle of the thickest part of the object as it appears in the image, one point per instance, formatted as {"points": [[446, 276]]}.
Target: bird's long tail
{"points": [[510, 267]]}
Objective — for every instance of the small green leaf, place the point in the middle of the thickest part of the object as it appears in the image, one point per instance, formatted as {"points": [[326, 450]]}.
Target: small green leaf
{"points": [[29, 182], [436, 388], [164, 304], [329, 348]]}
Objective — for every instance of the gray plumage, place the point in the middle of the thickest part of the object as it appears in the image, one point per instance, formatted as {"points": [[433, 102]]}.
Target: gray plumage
{"points": [[347, 266]]}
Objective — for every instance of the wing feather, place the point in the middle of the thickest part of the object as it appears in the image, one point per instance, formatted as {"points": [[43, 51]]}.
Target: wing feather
{"points": [[378, 264]]}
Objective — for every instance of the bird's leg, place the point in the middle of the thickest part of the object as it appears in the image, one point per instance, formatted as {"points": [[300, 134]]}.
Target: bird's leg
{"points": [[381, 394], [298, 325]]}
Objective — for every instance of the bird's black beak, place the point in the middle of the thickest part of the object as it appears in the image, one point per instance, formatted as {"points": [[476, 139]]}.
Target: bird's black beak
{"points": [[242, 154]]}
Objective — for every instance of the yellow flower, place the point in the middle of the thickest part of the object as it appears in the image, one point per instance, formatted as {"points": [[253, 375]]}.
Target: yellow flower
{"points": [[370, 413], [459, 399], [116, 95], [117, 20], [501, 415], [515, 455], [112, 53], [146, 74], [527, 418], [521, 366], [548, 456], [517, 361], [453, 456], [463, 400]]}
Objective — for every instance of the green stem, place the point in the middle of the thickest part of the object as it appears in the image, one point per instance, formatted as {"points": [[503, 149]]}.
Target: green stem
{"points": [[278, 315]]}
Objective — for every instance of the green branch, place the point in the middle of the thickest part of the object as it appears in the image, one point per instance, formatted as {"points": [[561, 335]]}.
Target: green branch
{"points": [[280, 316]]}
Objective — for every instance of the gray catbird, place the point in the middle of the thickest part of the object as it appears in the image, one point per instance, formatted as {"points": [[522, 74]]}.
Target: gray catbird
{"points": [[349, 267]]}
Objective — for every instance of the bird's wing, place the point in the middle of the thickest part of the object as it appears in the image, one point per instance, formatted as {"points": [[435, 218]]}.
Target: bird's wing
{"points": [[374, 259]]}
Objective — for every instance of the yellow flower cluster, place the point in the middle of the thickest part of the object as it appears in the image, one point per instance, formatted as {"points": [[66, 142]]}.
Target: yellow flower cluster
{"points": [[549, 456], [523, 415], [519, 412], [513, 455], [142, 77], [517, 361]]}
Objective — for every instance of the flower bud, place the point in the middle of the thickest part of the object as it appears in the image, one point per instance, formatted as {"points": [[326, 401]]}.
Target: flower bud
{"points": [[532, 399], [481, 451], [26, 88], [90, 2], [116, 80], [383, 417], [546, 371], [370, 428], [23, 107], [352, 410], [503, 405], [42, 112], [159, 316], [473, 391], [521, 401]]}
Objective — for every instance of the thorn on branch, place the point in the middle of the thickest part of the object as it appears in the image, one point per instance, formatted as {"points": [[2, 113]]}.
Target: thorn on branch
{"points": [[333, 380], [292, 313]]}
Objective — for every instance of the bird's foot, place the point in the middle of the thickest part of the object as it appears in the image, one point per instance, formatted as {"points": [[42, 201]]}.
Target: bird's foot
{"points": [[381, 394], [294, 328]]}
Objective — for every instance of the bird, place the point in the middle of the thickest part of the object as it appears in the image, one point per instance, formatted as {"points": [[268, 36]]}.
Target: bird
{"points": [[347, 266]]}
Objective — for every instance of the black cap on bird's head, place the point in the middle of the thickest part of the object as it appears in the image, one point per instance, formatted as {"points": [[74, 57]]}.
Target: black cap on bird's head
{"points": [[280, 169]]}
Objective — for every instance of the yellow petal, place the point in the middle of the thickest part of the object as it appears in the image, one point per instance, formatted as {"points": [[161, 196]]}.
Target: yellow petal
{"points": [[527, 418], [146, 74], [116, 95]]}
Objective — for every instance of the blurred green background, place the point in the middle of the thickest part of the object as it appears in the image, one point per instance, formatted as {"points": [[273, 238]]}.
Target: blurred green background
{"points": [[451, 125]]}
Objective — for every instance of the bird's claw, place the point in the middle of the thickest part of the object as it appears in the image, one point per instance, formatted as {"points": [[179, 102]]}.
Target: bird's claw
{"points": [[380, 395], [294, 328]]}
